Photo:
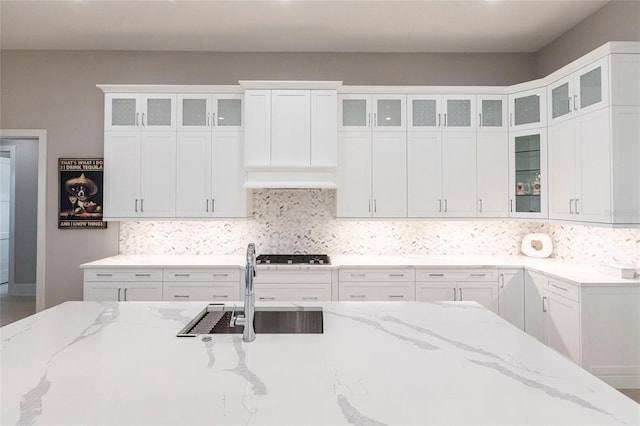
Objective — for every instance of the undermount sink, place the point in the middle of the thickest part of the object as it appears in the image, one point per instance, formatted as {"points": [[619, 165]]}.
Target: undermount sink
{"points": [[215, 319]]}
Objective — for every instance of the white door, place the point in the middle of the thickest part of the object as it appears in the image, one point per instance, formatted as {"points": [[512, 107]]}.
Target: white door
{"points": [[389, 182], [561, 100], [290, 127], [122, 112], [593, 194], [527, 165], [257, 136], [534, 284], [459, 174], [511, 296], [158, 112], [104, 291], [324, 128], [194, 112], [5, 211], [121, 174], [147, 291], [436, 291], [389, 113], [592, 87], [354, 113], [193, 174], [424, 113], [158, 174], [493, 174], [227, 112], [562, 325], [527, 109], [492, 113], [354, 174], [562, 170], [483, 292], [424, 171], [459, 113], [228, 197]]}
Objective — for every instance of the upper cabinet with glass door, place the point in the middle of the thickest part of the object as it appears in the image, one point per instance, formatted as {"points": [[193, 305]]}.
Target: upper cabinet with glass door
{"points": [[130, 111], [527, 109], [580, 92], [441, 113], [378, 113], [492, 113], [198, 112]]}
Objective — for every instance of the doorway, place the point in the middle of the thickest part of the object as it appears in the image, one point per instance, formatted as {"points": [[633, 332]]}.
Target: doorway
{"points": [[22, 219]]}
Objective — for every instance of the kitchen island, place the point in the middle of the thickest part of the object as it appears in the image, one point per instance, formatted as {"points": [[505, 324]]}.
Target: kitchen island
{"points": [[376, 363]]}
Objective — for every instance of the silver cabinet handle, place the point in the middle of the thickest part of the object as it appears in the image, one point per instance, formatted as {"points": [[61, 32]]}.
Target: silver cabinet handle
{"points": [[439, 206], [375, 119], [213, 119], [569, 102], [181, 275], [570, 205], [213, 205], [436, 275], [357, 296], [501, 279], [460, 299], [358, 275], [142, 275], [119, 294], [310, 298], [369, 205], [104, 275], [267, 298], [445, 119], [558, 287], [207, 205], [220, 296], [125, 294], [375, 205], [396, 275], [445, 205], [142, 205], [576, 204], [220, 275], [143, 119], [511, 208], [454, 294], [136, 208], [544, 308], [438, 119], [511, 119], [575, 99], [396, 296], [478, 275], [137, 115], [480, 199], [368, 119], [181, 296], [480, 120], [208, 119]]}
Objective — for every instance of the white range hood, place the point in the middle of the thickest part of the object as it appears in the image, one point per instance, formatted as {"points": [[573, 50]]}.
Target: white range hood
{"points": [[290, 177]]}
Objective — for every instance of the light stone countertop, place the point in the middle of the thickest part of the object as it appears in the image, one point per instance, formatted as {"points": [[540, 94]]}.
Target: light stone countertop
{"points": [[580, 274], [381, 363]]}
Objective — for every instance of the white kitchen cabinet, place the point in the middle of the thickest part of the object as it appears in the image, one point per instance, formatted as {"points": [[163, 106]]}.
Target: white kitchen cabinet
{"points": [[207, 112], [139, 175], [141, 112], [459, 188], [562, 318], [282, 285], [492, 150], [492, 113], [202, 284], [393, 284], [478, 285], [459, 113], [290, 128], [378, 113], [210, 175], [528, 174], [441, 113], [534, 285], [527, 109], [372, 175], [511, 296], [122, 285]]}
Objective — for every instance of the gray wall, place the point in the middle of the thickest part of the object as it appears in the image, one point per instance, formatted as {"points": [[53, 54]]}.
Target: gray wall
{"points": [[26, 200], [56, 91], [616, 21]]}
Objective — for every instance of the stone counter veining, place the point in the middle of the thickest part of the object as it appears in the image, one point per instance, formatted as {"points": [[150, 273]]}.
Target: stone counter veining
{"points": [[376, 363]]}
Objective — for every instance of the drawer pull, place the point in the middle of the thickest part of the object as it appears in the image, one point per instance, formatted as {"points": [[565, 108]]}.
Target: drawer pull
{"points": [[142, 275], [181, 275], [357, 296], [220, 275], [104, 275], [310, 298], [267, 298], [558, 287], [177, 296], [436, 275], [220, 296], [396, 275], [358, 275], [396, 296], [478, 275]]}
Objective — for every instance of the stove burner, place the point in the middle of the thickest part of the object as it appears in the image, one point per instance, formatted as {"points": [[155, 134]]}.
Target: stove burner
{"points": [[293, 259]]}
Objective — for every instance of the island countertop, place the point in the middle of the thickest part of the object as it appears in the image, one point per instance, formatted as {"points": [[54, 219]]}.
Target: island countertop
{"points": [[376, 363]]}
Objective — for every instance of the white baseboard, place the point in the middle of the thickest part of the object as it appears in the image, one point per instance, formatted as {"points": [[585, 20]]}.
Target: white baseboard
{"points": [[22, 289]]}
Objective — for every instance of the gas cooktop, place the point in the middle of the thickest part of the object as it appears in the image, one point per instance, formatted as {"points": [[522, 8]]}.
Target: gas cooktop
{"points": [[293, 259]]}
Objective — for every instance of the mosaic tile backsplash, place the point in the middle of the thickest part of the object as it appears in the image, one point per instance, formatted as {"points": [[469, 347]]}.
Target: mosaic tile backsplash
{"points": [[303, 221]]}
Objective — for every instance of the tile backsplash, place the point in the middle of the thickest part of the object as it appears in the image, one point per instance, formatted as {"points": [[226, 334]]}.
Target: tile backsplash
{"points": [[286, 221]]}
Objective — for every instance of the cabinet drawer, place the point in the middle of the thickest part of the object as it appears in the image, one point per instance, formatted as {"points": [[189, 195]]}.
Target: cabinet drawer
{"points": [[312, 293], [376, 292], [202, 275], [123, 274], [203, 292], [293, 276], [380, 275], [456, 275], [563, 288]]}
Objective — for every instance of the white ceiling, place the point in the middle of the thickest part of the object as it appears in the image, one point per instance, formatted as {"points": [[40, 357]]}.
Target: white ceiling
{"points": [[290, 25]]}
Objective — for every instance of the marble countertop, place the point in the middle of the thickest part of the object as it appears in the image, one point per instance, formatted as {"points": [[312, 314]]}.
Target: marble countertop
{"points": [[578, 273], [376, 363]]}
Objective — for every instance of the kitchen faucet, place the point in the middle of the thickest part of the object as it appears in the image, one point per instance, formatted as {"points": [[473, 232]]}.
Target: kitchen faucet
{"points": [[246, 320]]}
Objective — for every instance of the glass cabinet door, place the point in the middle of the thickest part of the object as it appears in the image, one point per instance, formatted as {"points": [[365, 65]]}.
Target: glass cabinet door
{"points": [[561, 100], [492, 113], [592, 87], [354, 112], [122, 111], [158, 112], [423, 113], [228, 112], [194, 112], [527, 109], [459, 112], [528, 174], [389, 112]]}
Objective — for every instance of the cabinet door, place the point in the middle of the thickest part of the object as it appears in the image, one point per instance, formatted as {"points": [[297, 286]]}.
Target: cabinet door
{"points": [[121, 174], [592, 87], [389, 113], [593, 174], [527, 110], [562, 325], [354, 113], [186, 292], [424, 113], [561, 101], [562, 170], [436, 291], [324, 128], [459, 174], [194, 112], [511, 296], [389, 174], [492, 113], [354, 174], [158, 174], [376, 291], [493, 174], [227, 112], [158, 112], [103, 291], [459, 113], [483, 292], [121, 111], [293, 293], [193, 174], [257, 137], [290, 127], [143, 291], [534, 284], [528, 173], [228, 197], [424, 171]]}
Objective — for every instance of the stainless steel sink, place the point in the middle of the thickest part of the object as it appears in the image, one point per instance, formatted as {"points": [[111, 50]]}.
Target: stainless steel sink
{"points": [[215, 319]]}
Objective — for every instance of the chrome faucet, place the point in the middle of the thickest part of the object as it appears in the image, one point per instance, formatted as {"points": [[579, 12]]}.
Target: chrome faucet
{"points": [[246, 320]]}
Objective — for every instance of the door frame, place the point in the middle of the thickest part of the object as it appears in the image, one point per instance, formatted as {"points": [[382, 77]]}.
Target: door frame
{"points": [[12, 213], [41, 136]]}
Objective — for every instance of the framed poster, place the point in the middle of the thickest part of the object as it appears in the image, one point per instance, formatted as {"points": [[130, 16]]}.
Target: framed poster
{"points": [[80, 193]]}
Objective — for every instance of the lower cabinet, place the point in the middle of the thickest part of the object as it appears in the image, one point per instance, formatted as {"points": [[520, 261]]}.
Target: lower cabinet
{"points": [[478, 285], [511, 295], [122, 285], [202, 284], [371, 285], [292, 285]]}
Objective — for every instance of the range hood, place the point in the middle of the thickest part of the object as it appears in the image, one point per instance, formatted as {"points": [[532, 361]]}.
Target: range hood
{"points": [[290, 134]]}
